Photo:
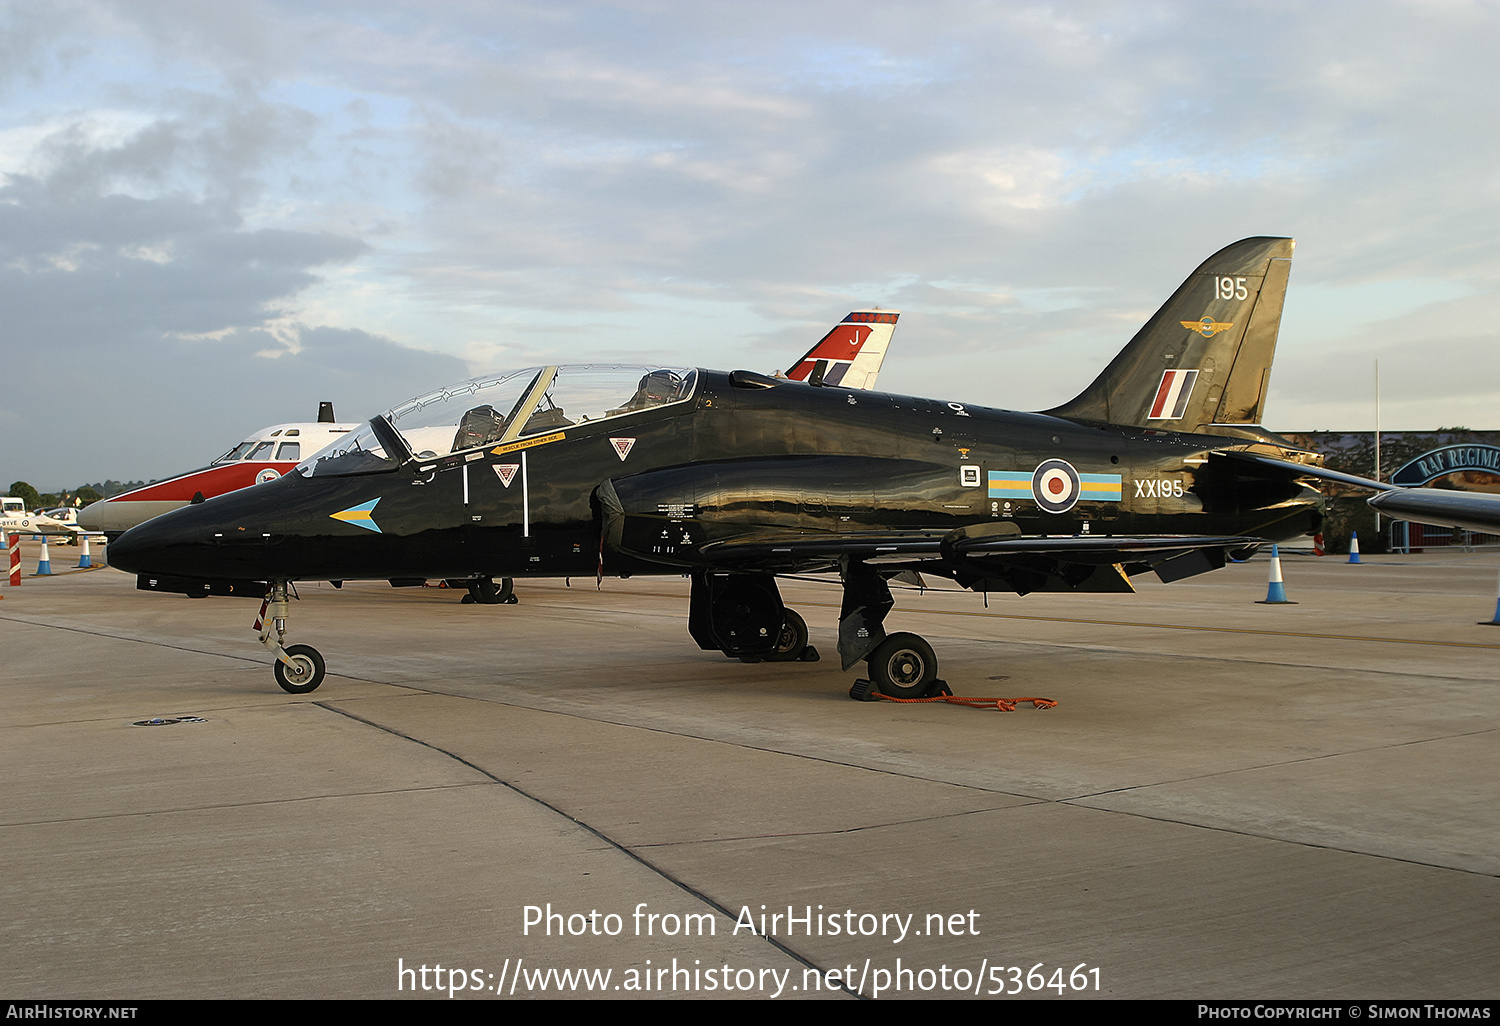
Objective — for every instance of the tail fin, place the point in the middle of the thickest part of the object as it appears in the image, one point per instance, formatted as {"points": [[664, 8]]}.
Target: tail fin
{"points": [[850, 355], [1204, 359]]}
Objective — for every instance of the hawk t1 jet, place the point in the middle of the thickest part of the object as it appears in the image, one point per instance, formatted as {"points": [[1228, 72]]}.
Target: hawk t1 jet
{"points": [[735, 477]]}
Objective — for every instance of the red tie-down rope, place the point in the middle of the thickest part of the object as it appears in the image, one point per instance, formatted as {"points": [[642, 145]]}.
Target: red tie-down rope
{"points": [[1002, 704]]}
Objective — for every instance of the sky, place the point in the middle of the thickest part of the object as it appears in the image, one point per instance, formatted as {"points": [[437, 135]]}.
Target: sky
{"points": [[215, 215]]}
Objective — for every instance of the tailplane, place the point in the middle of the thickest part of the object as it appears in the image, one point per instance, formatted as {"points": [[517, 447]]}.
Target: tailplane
{"points": [[1204, 360], [850, 355]]}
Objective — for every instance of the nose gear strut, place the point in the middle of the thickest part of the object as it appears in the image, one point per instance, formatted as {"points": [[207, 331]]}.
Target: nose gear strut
{"points": [[300, 668]]}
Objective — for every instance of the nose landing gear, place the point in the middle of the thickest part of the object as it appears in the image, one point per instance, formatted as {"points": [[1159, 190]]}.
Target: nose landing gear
{"points": [[300, 668]]}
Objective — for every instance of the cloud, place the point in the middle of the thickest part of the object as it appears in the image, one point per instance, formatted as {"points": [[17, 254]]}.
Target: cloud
{"points": [[720, 180], [143, 331]]}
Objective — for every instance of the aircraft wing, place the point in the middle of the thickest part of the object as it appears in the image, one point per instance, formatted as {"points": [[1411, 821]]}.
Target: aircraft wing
{"points": [[35, 523], [990, 557], [1440, 507], [1303, 469], [1472, 511]]}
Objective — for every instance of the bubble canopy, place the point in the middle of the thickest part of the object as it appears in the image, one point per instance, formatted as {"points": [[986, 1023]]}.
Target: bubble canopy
{"points": [[500, 408]]}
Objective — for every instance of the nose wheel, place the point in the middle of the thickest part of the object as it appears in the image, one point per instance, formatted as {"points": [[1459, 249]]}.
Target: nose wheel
{"points": [[299, 669], [302, 672]]}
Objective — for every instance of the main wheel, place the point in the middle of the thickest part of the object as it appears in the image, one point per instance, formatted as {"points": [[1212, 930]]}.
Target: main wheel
{"points": [[486, 592], [304, 674], [792, 639], [903, 666]]}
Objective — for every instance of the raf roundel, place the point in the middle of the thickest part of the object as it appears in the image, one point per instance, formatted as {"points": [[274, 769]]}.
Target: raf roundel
{"points": [[1055, 486]]}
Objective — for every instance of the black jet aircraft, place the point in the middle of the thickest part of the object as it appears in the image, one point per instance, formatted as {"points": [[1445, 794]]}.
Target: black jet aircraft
{"points": [[735, 477]]}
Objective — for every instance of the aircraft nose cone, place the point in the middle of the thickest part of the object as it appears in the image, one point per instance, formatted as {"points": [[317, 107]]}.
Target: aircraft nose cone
{"points": [[140, 550], [178, 543]]}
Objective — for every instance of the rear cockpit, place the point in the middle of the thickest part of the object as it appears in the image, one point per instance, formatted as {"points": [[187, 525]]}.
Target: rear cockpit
{"points": [[498, 409]]}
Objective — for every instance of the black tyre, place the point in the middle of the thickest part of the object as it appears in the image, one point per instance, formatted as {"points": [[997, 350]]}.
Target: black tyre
{"points": [[305, 673], [486, 592], [903, 666], [792, 640]]}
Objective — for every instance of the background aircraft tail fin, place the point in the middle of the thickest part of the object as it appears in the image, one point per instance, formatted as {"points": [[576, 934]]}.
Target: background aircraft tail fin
{"points": [[1204, 359], [850, 355]]}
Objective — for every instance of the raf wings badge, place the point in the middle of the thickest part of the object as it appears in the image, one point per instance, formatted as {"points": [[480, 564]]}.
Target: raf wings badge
{"points": [[1207, 327]]}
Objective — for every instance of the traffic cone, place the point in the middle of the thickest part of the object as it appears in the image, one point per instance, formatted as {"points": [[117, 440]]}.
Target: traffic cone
{"points": [[1496, 621], [1354, 547], [43, 565], [1276, 591], [1318, 544], [84, 563]]}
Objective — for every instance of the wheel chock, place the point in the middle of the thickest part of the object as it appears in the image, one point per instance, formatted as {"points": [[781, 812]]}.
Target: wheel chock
{"points": [[809, 655]]}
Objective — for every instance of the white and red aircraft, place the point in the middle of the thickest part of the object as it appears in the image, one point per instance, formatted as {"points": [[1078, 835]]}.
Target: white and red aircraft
{"points": [[850, 355], [264, 456]]}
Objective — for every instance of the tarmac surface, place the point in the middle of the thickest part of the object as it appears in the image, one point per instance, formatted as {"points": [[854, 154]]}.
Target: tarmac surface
{"points": [[1230, 800]]}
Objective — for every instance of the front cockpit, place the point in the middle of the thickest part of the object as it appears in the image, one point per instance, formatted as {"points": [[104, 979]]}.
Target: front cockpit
{"points": [[498, 409]]}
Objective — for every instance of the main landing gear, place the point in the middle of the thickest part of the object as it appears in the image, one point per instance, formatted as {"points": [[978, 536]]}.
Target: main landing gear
{"points": [[300, 668], [901, 665], [742, 615], [486, 592]]}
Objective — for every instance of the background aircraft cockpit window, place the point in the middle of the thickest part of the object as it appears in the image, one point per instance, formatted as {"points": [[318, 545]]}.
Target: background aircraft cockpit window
{"points": [[289, 451], [235, 453], [358, 452], [534, 401], [261, 451]]}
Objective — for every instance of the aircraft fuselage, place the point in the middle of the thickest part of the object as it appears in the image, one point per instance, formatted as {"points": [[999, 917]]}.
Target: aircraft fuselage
{"points": [[744, 455]]}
